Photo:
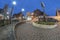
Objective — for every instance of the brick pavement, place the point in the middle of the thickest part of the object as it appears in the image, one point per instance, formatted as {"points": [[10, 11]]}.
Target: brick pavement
{"points": [[6, 32], [28, 32]]}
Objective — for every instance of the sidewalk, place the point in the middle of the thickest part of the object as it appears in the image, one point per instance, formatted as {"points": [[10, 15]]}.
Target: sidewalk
{"points": [[6, 32]]}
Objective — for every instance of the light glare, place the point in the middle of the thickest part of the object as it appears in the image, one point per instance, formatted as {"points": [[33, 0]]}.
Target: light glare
{"points": [[14, 2], [23, 9]]}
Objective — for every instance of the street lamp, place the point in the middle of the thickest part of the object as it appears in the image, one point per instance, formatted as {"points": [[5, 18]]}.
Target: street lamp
{"points": [[13, 3], [22, 9], [43, 7], [42, 4]]}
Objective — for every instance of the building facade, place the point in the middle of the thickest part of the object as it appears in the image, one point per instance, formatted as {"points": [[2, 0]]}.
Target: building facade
{"points": [[58, 13]]}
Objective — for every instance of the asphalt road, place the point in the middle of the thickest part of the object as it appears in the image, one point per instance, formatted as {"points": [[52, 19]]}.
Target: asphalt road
{"points": [[27, 31]]}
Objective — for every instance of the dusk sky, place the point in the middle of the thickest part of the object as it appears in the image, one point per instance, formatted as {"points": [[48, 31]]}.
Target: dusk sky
{"points": [[31, 5]]}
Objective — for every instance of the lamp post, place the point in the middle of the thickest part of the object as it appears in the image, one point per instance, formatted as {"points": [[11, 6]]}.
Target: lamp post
{"points": [[43, 7], [22, 17], [13, 3], [22, 9]]}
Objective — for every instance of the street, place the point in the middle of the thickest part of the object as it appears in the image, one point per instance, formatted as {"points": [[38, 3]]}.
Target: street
{"points": [[27, 31], [29, 19]]}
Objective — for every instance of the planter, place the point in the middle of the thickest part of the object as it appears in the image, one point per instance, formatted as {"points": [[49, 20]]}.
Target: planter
{"points": [[44, 26]]}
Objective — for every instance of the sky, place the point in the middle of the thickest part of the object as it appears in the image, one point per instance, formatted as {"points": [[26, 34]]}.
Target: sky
{"points": [[31, 5]]}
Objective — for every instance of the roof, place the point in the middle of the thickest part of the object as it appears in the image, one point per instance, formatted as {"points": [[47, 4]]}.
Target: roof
{"points": [[1, 10]]}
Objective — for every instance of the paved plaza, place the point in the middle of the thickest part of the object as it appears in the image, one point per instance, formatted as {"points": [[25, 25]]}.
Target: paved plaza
{"points": [[27, 31], [6, 32]]}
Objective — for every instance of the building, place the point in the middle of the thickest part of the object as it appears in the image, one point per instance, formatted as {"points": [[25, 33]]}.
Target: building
{"points": [[1, 17], [1, 14], [18, 16], [28, 18], [58, 13], [38, 15]]}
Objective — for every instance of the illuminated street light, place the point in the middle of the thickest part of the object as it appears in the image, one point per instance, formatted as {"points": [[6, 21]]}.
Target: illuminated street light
{"points": [[22, 9], [7, 12], [14, 2], [13, 5]]}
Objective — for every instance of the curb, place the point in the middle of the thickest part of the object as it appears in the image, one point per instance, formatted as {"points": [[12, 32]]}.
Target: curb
{"points": [[14, 30], [44, 26]]}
